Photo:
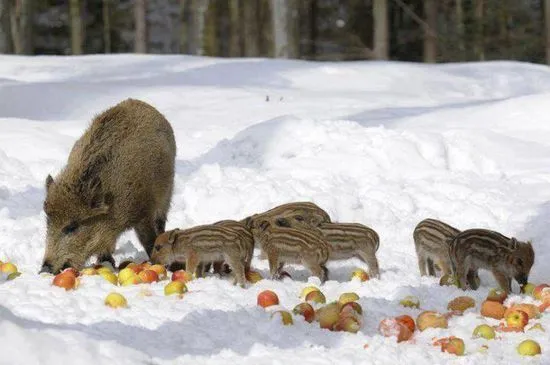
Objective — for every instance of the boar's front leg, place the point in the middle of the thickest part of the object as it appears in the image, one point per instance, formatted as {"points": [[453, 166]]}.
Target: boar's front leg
{"points": [[147, 233]]}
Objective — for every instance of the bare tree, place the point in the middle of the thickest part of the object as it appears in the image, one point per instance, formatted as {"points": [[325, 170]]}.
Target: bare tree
{"points": [[235, 49], [76, 26], [140, 24], [21, 26], [196, 18], [279, 9], [479, 49], [547, 29], [107, 26], [251, 29], [429, 27], [459, 29], [5, 34], [381, 29]]}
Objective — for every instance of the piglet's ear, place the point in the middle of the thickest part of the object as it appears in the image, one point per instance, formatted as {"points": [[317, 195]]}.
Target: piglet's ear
{"points": [[173, 236], [264, 225], [49, 182]]}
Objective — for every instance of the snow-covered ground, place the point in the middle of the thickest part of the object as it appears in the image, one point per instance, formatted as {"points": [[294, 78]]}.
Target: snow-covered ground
{"points": [[384, 144]]}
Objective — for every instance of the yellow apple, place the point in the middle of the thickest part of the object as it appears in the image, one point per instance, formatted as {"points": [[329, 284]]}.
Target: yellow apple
{"points": [[410, 301], [485, 331], [286, 317], [348, 297], [109, 276], [307, 290], [103, 269], [431, 319], [529, 348], [8, 268], [328, 315], [175, 287], [316, 296], [88, 271], [125, 274], [132, 280], [116, 300], [359, 274]]}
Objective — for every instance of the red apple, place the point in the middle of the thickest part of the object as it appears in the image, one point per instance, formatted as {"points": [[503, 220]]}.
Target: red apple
{"points": [[316, 296], [347, 324], [497, 295], [537, 292], [160, 270], [407, 321], [359, 274], [148, 276], [531, 309], [352, 307], [390, 327], [267, 298], [517, 318], [182, 275], [65, 280], [72, 270], [305, 310], [451, 345]]}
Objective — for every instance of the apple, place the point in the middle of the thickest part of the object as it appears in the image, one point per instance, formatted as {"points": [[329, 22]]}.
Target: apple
{"points": [[347, 298], [182, 275], [253, 276], [65, 280], [305, 310], [347, 324], [8, 268], [537, 326], [410, 301], [160, 270], [125, 274], [537, 291], [431, 319], [484, 331], [390, 327], [451, 345], [529, 348], [307, 290], [359, 274], [135, 267], [148, 276], [316, 296], [492, 309], [286, 317], [116, 300], [528, 289], [517, 318], [461, 304], [351, 307], [531, 309], [14, 275], [109, 276], [497, 295], [132, 280], [175, 287], [88, 271], [448, 280], [267, 298], [407, 321], [328, 315], [100, 269]]}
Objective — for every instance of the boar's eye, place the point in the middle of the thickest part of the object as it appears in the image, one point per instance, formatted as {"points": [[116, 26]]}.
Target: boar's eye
{"points": [[70, 228], [520, 262], [158, 247]]}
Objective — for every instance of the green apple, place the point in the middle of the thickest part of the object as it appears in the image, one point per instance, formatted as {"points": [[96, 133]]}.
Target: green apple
{"points": [[484, 331], [528, 348]]}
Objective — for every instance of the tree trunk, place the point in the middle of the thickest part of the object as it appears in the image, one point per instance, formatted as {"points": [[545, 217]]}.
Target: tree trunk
{"points": [[140, 12], [547, 28], [107, 26], [381, 29], [430, 26], [279, 9], [459, 29], [21, 26], [5, 33], [479, 49], [503, 29], [76, 27], [251, 29], [195, 26], [235, 49]]}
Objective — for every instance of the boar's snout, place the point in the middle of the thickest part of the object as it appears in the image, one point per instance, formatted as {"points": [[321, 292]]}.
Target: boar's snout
{"points": [[522, 279], [46, 268]]}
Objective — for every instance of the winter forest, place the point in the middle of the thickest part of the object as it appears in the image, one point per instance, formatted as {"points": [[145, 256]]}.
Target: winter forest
{"points": [[403, 30]]}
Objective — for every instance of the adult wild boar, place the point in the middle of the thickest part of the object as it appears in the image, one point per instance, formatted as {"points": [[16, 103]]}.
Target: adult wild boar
{"points": [[119, 175]]}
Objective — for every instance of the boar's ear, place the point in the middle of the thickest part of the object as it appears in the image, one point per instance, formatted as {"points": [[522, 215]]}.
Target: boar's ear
{"points": [[49, 182], [514, 243]]}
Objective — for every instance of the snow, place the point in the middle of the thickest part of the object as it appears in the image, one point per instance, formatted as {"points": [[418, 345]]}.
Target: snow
{"points": [[381, 143]]}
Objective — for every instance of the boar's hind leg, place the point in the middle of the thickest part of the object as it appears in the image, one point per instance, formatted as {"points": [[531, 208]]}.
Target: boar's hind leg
{"points": [[147, 234]]}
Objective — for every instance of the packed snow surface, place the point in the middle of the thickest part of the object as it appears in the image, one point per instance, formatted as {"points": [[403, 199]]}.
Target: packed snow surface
{"points": [[380, 143]]}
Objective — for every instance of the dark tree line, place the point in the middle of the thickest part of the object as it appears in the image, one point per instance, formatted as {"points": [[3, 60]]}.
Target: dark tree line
{"points": [[407, 30]]}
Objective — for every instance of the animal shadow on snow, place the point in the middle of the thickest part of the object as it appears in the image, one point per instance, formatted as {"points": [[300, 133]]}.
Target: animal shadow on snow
{"points": [[201, 333]]}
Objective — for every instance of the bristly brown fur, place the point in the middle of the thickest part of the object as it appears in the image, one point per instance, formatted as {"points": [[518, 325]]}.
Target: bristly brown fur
{"points": [[119, 175], [505, 257]]}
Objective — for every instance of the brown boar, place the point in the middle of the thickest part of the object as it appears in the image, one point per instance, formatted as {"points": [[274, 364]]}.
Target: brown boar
{"points": [[505, 257], [119, 176]]}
